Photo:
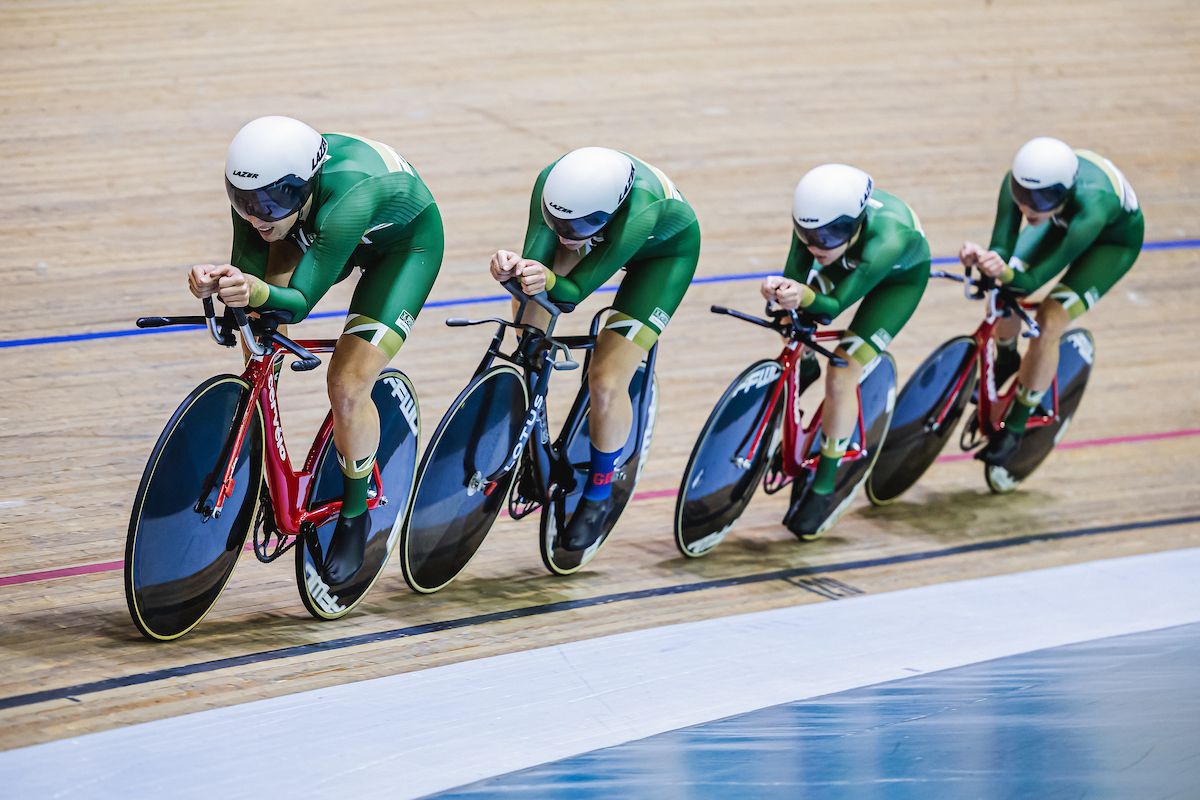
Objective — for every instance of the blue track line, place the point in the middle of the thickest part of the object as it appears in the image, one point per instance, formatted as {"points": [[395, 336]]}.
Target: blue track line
{"points": [[356, 640], [1176, 244]]}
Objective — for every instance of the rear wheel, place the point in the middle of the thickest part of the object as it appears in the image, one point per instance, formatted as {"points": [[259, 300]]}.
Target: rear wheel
{"points": [[716, 486], [878, 392], [913, 442], [399, 436], [178, 557], [1076, 352], [578, 452], [451, 513]]}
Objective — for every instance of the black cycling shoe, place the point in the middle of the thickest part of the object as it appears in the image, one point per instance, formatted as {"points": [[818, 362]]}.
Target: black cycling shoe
{"points": [[810, 372], [806, 517], [346, 548], [1001, 447], [587, 524], [1008, 361]]}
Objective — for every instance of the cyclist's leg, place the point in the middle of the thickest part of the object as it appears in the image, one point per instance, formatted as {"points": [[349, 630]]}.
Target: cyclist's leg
{"points": [[649, 295], [880, 316], [1087, 280], [1032, 244], [382, 311]]}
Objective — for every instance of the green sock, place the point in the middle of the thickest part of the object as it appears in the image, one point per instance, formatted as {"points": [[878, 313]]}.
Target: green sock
{"points": [[356, 477], [832, 451], [1024, 404]]}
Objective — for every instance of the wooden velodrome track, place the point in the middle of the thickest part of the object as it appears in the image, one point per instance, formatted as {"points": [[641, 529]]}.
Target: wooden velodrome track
{"points": [[115, 122]]}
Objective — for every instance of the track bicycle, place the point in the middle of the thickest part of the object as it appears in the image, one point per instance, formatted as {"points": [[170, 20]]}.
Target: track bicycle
{"points": [[203, 487], [756, 434], [938, 393], [496, 428]]}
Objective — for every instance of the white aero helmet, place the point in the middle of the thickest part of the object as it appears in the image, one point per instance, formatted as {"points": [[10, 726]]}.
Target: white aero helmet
{"points": [[1043, 173], [271, 167], [829, 205], [584, 189]]}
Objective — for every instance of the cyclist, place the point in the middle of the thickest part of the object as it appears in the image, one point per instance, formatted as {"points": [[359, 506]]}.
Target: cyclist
{"points": [[593, 212], [307, 209], [1082, 215], [851, 242]]}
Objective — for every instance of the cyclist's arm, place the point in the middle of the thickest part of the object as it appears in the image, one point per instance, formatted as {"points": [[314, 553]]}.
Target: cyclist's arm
{"points": [[249, 250], [1082, 231], [879, 256], [799, 261], [540, 241], [621, 243], [1008, 222], [340, 231]]}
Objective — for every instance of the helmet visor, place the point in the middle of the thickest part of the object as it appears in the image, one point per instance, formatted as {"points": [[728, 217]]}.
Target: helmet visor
{"points": [[830, 235], [273, 202], [1044, 199], [578, 229]]}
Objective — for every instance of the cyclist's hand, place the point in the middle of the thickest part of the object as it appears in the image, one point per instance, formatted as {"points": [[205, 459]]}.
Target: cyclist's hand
{"points": [[234, 286], [200, 281], [991, 264], [532, 275], [503, 264], [969, 254], [786, 292]]}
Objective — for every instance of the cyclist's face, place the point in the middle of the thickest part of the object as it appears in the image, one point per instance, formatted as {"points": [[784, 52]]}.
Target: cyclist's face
{"points": [[1035, 217], [827, 257], [572, 244], [271, 231]]}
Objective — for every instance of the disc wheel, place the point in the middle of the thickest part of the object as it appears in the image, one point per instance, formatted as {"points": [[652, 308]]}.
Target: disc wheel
{"points": [[451, 512], [913, 441], [878, 393], [178, 556], [1076, 353], [579, 453], [716, 486], [399, 436]]}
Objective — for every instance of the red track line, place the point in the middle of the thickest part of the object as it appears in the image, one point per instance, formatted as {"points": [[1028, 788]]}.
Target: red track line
{"points": [[106, 566]]}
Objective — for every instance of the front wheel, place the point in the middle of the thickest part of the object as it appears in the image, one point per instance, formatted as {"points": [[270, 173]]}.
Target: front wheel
{"points": [[399, 437], [877, 389], [718, 482], [914, 440], [178, 555], [451, 512], [577, 451], [1076, 352]]}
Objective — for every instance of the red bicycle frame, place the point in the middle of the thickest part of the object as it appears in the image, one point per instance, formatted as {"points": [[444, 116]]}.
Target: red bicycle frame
{"points": [[794, 430], [992, 405], [289, 489]]}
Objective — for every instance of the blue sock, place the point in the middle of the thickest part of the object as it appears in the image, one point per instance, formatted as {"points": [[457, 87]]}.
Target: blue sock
{"points": [[599, 484]]}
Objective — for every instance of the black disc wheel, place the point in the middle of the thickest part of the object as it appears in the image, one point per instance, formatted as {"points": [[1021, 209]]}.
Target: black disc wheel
{"points": [[718, 481], [915, 438], [399, 437], [1076, 352], [178, 554], [878, 395], [452, 511], [568, 491]]}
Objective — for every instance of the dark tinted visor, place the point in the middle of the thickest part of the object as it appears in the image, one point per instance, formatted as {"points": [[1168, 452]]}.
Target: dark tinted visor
{"points": [[578, 229], [270, 203], [1043, 199], [830, 235]]}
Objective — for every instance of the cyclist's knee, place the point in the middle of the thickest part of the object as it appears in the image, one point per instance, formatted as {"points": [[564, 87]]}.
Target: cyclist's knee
{"points": [[841, 379], [1052, 317]]}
